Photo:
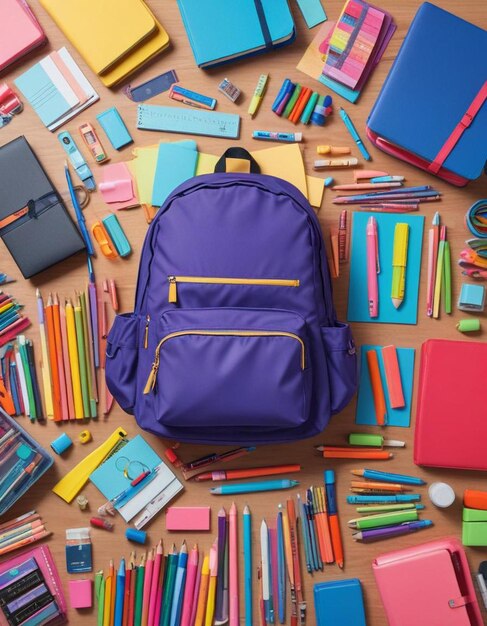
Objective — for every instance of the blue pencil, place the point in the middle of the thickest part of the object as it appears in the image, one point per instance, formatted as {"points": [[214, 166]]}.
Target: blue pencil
{"points": [[119, 594], [177, 598], [247, 545], [388, 477], [305, 532], [281, 571], [392, 499], [313, 535]]}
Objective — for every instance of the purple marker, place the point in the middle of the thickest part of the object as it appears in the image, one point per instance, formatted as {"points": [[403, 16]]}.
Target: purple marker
{"points": [[376, 534], [221, 610]]}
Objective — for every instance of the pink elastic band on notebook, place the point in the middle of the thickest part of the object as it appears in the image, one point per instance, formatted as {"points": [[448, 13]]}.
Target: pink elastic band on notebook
{"points": [[464, 123]]}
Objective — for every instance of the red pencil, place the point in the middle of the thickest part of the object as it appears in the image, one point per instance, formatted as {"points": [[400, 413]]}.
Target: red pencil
{"points": [[127, 590], [51, 340]]}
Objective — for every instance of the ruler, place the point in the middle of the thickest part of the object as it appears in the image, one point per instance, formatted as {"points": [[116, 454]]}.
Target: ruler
{"points": [[179, 120]]}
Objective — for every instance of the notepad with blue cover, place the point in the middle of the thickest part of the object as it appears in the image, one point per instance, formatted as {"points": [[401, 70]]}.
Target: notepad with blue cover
{"points": [[221, 30], [339, 603], [440, 80]]}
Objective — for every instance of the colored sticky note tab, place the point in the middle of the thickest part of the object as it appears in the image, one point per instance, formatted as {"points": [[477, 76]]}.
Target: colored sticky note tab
{"points": [[284, 162], [315, 190], [313, 12], [206, 163], [365, 412], [358, 309], [176, 163]]}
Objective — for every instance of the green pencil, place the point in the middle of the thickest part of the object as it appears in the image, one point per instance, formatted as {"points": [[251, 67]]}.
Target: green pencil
{"points": [[28, 380], [172, 564], [139, 592], [385, 508], [90, 371], [384, 519], [78, 319], [447, 278], [100, 596]]}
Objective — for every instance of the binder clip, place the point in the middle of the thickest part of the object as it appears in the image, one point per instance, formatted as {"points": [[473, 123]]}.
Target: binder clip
{"points": [[10, 104]]}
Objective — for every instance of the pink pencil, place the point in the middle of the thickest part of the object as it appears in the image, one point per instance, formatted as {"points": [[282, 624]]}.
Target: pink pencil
{"points": [[149, 566], [155, 584], [67, 366], [434, 233], [233, 567], [191, 574], [160, 593], [196, 593]]}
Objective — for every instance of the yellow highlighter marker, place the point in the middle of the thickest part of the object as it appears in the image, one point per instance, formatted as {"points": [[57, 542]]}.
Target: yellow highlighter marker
{"points": [[399, 263]]}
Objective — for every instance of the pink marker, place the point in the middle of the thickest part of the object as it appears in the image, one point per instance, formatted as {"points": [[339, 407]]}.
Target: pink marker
{"points": [[373, 267], [190, 585], [233, 567]]}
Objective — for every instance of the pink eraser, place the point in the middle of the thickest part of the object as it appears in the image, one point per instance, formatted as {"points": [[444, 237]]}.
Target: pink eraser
{"points": [[80, 593], [188, 518]]}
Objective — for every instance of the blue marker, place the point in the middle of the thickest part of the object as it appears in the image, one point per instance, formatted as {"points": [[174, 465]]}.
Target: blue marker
{"points": [[388, 477], [409, 497], [285, 87], [354, 134], [387, 179]]}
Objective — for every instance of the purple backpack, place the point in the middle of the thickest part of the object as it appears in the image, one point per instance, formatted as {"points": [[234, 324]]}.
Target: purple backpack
{"points": [[234, 337]]}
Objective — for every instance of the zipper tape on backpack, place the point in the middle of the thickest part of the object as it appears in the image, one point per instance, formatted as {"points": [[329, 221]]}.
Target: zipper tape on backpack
{"points": [[206, 280], [151, 381]]}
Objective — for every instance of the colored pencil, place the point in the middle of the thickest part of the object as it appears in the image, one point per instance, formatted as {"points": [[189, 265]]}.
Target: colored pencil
{"points": [[100, 597], [335, 452], [156, 583], [90, 364], [149, 566], [289, 563], [234, 613], [203, 592], [59, 358], [45, 365], [264, 560], [336, 538], [93, 309], [120, 594], [329, 558], [315, 557], [32, 538], [66, 362], [82, 360], [133, 582], [179, 583], [74, 360], [304, 532], [301, 605], [446, 286], [388, 477], [22, 352], [221, 611], [196, 594], [235, 474], [35, 383], [191, 576], [51, 337], [127, 590], [274, 571], [210, 603], [139, 592], [381, 486], [439, 273], [281, 571], [247, 548], [107, 611], [172, 565]]}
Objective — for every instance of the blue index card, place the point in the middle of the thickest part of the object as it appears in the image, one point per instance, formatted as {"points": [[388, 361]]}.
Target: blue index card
{"points": [[358, 308], [312, 11], [365, 412], [176, 163]]}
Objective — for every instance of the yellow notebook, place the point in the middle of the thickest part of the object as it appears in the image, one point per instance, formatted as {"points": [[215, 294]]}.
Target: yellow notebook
{"points": [[108, 33]]}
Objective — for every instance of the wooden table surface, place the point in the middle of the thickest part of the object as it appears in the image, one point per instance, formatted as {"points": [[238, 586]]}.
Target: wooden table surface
{"points": [[71, 275]]}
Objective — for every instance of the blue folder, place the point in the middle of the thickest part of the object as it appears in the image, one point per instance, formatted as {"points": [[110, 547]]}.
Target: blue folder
{"points": [[439, 70], [224, 30], [339, 603]]}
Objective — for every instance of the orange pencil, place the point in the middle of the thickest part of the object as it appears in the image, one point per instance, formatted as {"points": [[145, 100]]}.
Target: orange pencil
{"points": [[348, 453], [377, 485], [67, 367], [302, 101], [202, 597], [377, 389], [24, 542], [60, 358], [246, 473], [51, 340]]}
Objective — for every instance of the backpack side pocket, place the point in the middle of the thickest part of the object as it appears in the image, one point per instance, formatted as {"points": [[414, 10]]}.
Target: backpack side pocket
{"points": [[341, 356], [122, 354]]}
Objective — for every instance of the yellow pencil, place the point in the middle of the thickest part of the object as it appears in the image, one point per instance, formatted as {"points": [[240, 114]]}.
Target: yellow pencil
{"points": [[45, 367], [73, 360], [205, 573], [107, 611], [210, 605], [78, 318]]}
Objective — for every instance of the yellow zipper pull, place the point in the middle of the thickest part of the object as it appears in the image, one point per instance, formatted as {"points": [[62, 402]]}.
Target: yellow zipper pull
{"points": [[151, 381], [173, 291], [146, 333]]}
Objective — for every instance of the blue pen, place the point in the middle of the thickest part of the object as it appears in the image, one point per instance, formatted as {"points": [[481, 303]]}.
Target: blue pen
{"points": [[281, 570], [247, 544], [79, 213], [285, 99], [265, 485], [119, 596], [388, 477], [177, 598], [386, 179], [13, 387], [133, 489], [353, 132], [304, 532], [409, 497], [282, 91]]}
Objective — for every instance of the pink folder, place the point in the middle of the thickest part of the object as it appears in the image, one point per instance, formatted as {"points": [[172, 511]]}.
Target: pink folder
{"points": [[427, 584], [20, 32]]}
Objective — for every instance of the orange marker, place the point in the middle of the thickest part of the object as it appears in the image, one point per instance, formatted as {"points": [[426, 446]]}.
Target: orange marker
{"points": [[329, 558], [330, 452], [377, 485], [336, 537], [51, 340], [247, 473], [301, 102], [377, 389]]}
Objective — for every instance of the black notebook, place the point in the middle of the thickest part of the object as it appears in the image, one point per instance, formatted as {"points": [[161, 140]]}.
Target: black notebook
{"points": [[34, 222]]}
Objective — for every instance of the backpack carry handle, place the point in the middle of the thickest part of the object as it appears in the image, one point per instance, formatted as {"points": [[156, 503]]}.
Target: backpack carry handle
{"points": [[236, 153]]}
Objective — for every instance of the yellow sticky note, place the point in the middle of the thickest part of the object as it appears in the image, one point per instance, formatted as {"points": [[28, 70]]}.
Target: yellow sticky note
{"points": [[284, 162], [144, 165], [315, 190], [206, 163]]}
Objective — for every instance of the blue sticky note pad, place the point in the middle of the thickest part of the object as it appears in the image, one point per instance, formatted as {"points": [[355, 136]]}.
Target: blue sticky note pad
{"points": [[176, 162], [339, 603], [312, 11], [137, 455], [365, 412], [358, 307]]}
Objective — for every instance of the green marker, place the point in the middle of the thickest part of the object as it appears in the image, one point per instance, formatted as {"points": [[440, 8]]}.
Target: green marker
{"points": [[292, 101], [374, 441], [309, 108], [384, 508], [384, 519]]}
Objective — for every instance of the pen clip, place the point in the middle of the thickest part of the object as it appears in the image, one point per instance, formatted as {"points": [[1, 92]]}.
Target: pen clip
{"points": [[376, 238]]}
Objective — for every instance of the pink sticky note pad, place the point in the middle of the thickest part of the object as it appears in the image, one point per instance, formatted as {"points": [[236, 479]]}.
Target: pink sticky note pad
{"points": [[188, 518], [80, 593]]}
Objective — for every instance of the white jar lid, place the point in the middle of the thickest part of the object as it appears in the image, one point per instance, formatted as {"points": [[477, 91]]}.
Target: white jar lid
{"points": [[441, 495]]}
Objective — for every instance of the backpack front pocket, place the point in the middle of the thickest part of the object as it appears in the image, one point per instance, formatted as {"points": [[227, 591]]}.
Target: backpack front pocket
{"points": [[231, 368]]}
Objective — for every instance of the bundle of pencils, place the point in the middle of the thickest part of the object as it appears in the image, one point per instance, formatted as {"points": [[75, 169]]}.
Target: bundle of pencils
{"points": [[12, 322], [407, 198], [19, 387], [439, 270], [21, 531], [73, 342]]}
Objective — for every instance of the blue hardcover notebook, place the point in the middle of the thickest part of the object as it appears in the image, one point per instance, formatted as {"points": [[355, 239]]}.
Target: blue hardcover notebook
{"points": [[439, 70], [223, 30], [339, 603]]}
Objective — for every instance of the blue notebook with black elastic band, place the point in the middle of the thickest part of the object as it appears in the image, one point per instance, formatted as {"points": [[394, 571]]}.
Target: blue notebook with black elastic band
{"points": [[432, 109], [339, 603], [220, 31]]}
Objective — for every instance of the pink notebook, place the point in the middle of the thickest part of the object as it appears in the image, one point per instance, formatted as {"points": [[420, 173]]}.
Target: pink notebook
{"points": [[20, 32], [427, 584]]}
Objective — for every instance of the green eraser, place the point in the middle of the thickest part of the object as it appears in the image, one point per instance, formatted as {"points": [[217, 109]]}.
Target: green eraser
{"points": [[365, 439]]}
